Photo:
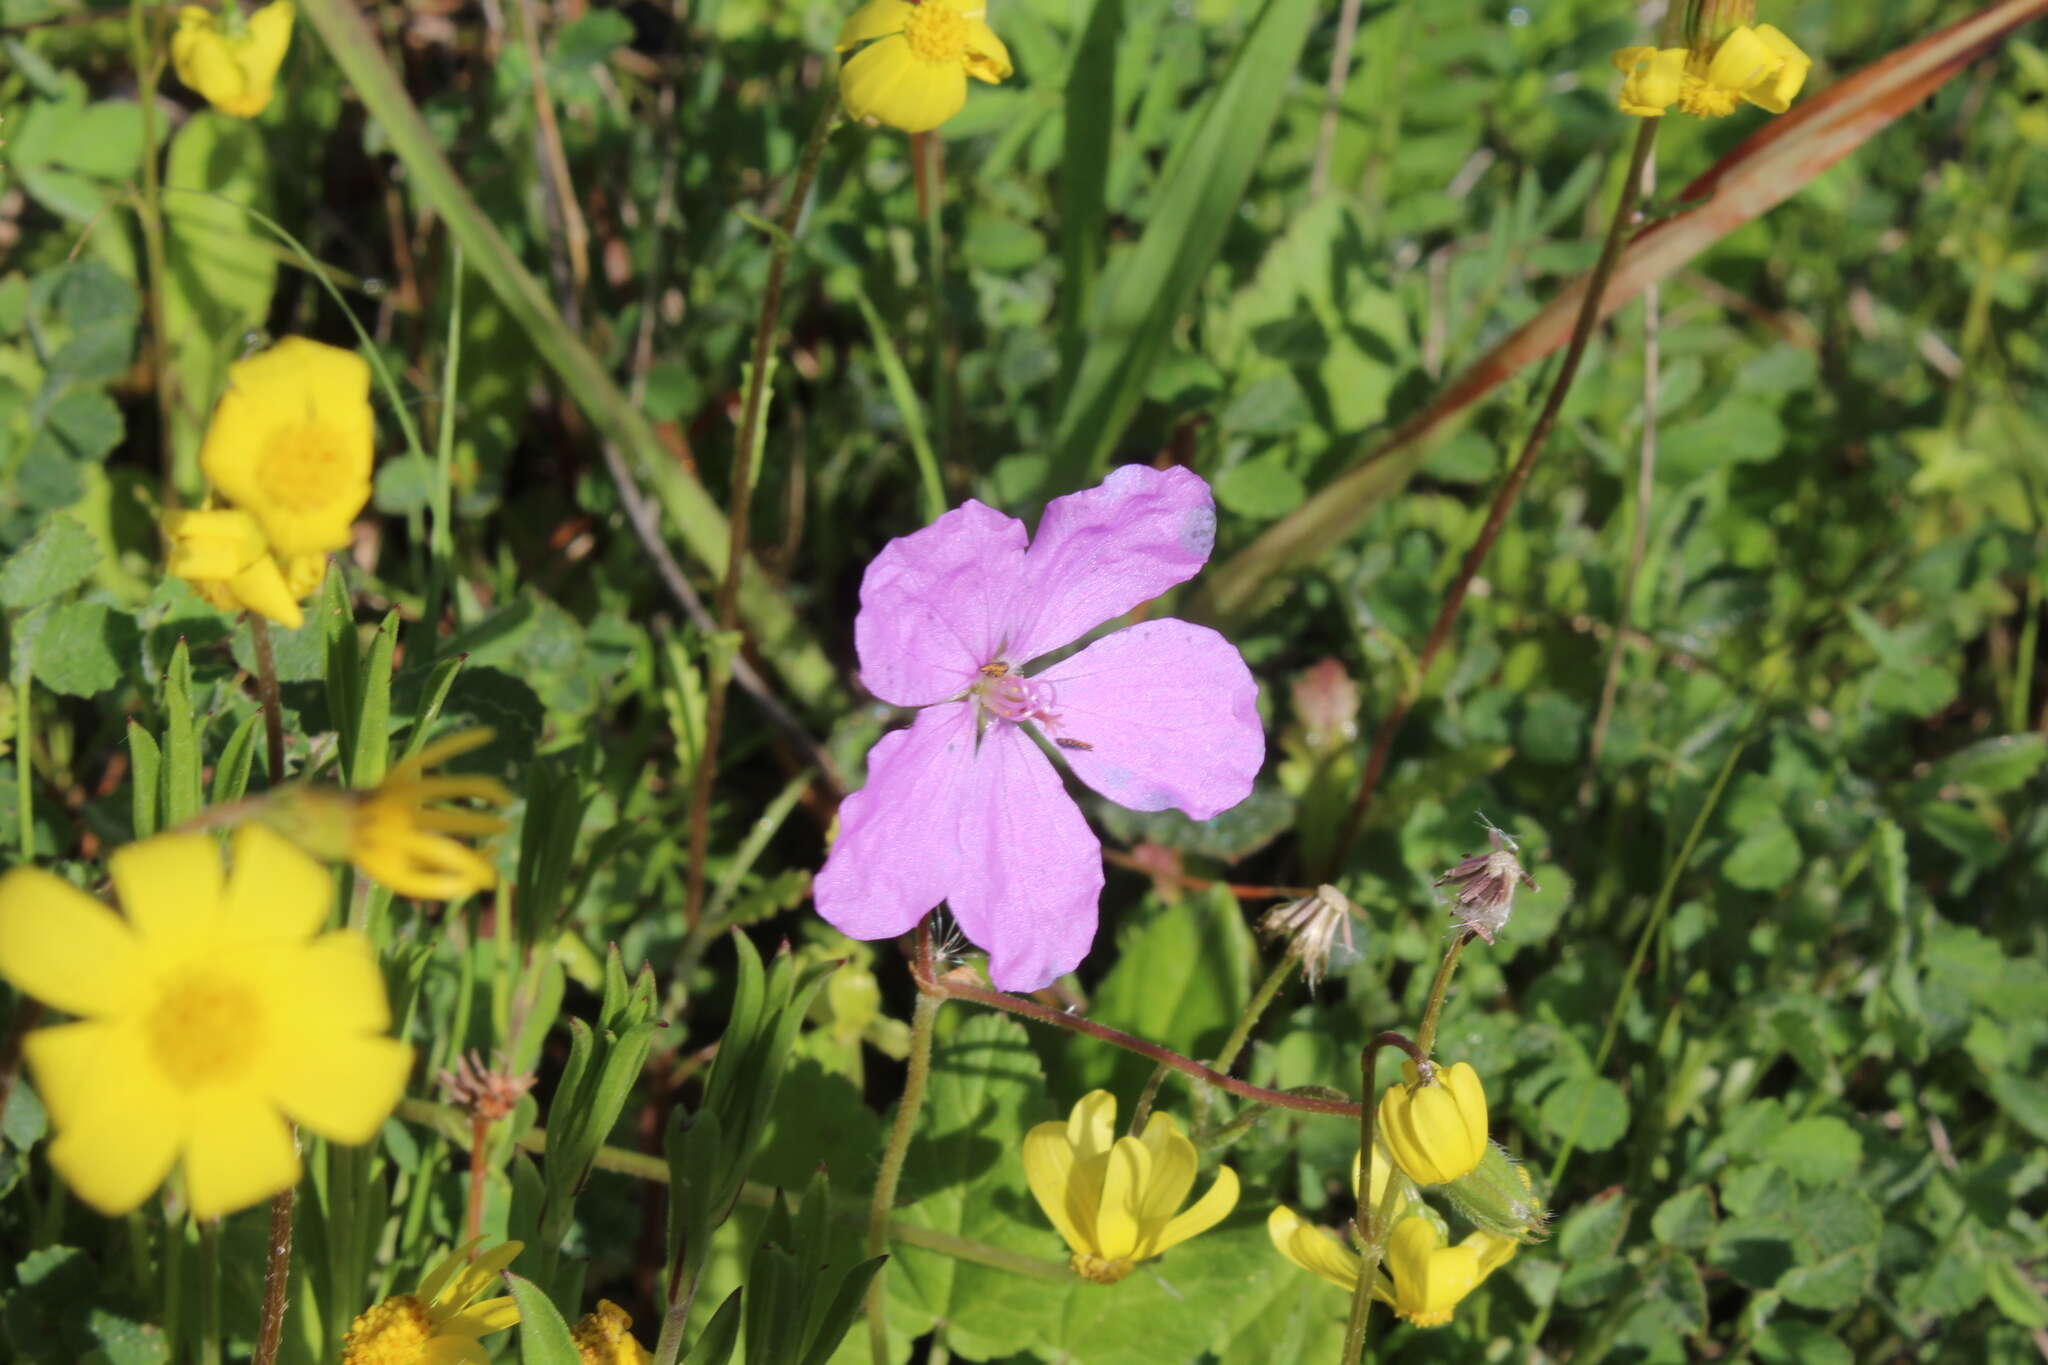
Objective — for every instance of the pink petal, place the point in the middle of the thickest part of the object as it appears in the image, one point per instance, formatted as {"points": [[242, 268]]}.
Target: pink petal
{"points": [[934, 604], [896, 855], [1101, 552], [1170, 713], [1029, 877]]}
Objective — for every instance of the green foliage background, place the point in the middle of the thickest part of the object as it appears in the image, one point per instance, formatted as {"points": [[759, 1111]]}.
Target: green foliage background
{"points": [[1809, 1130]]}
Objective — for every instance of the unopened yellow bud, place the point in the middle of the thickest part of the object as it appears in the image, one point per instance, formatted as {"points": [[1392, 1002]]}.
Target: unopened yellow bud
{"points": [[1435, 1131]]}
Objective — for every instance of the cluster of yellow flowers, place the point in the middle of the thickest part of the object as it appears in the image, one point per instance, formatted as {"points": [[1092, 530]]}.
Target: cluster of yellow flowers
{"points": [[230, 60], [1759, 65], [289, 451], [1117, 1200]]}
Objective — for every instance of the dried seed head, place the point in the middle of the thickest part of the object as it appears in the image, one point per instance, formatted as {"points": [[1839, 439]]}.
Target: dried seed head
{"points": [[1313, 927], [1486, 885], [487, 1094]]}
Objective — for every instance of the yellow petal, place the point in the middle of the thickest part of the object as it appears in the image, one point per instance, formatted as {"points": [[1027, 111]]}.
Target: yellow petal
{"points": [[1465, 1087], [1173, 1175], [119, 1124], [1743, 60], [1312, 1248], [1205, 1213], [1429, 1278], [986, 58], [275, 892], [291, 442], [1438, 1129], [1777, 93], [261, 588], [1654, 82], [65, 948], [239, 1152], [1123, 1185], [439, 751], [1091, 1127], [343, 1088], [886, 83], [330, 985], [212, 543], [1490, 1250], [1049, 1170], [169, 887], [876, 19], [482, 1319], [460, 1289]]}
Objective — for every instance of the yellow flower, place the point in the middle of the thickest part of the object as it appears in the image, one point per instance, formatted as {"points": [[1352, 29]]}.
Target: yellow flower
{"points": [[440, 1322], [1760, 65], [1114, 1198], [394, 833], [1435, 1132], [214, 1014], [290, 443], [235, 70], [221, 552], [1422, 1281], [605, 1337], [913, 72]]}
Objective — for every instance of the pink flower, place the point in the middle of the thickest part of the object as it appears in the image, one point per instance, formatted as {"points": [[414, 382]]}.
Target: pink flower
{"points": [[962, 806]]}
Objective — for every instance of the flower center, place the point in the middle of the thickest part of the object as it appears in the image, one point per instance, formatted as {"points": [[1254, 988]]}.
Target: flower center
{"points": [[1009, 696], [394, 1332], [1703, 99], [305, 469], [205, 1029], [1099, 1269], [936, 32]]}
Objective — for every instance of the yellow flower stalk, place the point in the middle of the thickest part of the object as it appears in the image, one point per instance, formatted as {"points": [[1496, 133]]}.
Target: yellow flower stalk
{"points": [[441, 1322], [234, 68], [213, 1014], [605, 1337], [291, 443], [1116, 1200], [1435, 1132], [221, 552], [1760, 65], [398, 832], [1423, 1280], [912, 73]]}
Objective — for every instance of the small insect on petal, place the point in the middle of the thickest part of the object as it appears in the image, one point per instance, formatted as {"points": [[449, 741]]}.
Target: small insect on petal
{"points": [[994, 670], [1073, 744]]}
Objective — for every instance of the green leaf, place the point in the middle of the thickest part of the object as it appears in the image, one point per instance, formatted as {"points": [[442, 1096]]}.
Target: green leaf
{"points": [[543, 1337], [85, 648], [1594, 1229], [1145, 290], [1817, 1151], [1765, 859], [1686, 1219], [60, 557], [1181, 978], [231, 773], [1261, 488], [1593, 1106], [1084, 172], [1796, 1341]]}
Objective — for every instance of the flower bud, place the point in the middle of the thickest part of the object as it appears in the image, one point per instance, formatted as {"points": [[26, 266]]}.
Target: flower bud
{"points": [[1435, 1130], [1498, 1196], [1707, 22]]}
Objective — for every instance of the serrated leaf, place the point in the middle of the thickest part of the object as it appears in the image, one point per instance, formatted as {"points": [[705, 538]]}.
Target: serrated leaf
{"points": [[59, 557], [85, 648]]}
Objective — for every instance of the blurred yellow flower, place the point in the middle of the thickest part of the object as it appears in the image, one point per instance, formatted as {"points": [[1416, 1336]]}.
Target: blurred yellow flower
{"points": [[605, 1337], [439, 1323], [221, 552], [234, 68], [395, 833], [290, 444], [1423, 1280], [1435, 1132], [1760, 65], [214, 1014], [912, 73], [1114, 1199]]}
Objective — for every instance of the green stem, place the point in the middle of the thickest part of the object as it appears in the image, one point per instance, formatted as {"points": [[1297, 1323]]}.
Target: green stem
{"points": [[695, 517], [1425, 1037], [935, 246], [209, 1292], [752, 408], [24, 744], [1364, 1223], [1240, 1033], [1509, 491], [441, 533], [146, 52], [922, 1017]]}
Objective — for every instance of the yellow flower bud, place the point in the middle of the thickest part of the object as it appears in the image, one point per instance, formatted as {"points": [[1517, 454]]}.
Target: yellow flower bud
{"points": [[222, 553], [1437, 1131], [234, 68]]}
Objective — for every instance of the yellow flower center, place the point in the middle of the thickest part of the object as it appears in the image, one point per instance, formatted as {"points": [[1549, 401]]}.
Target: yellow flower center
{"points": [[1099, 1269], [393, 1332], [936, 32], [205, 1028], [1703, 99], [1425, 1317], [305, 468]]}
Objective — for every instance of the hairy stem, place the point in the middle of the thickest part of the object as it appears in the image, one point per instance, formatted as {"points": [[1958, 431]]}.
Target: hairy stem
{"points": [[267, 693], [1509, 491], [1425, 1037], [751, 406], [277, 1275]]}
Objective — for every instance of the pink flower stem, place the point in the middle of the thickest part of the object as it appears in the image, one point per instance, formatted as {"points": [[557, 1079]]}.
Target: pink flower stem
{"points": [[947, 988], [923, 1016], [1510, 489]]}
